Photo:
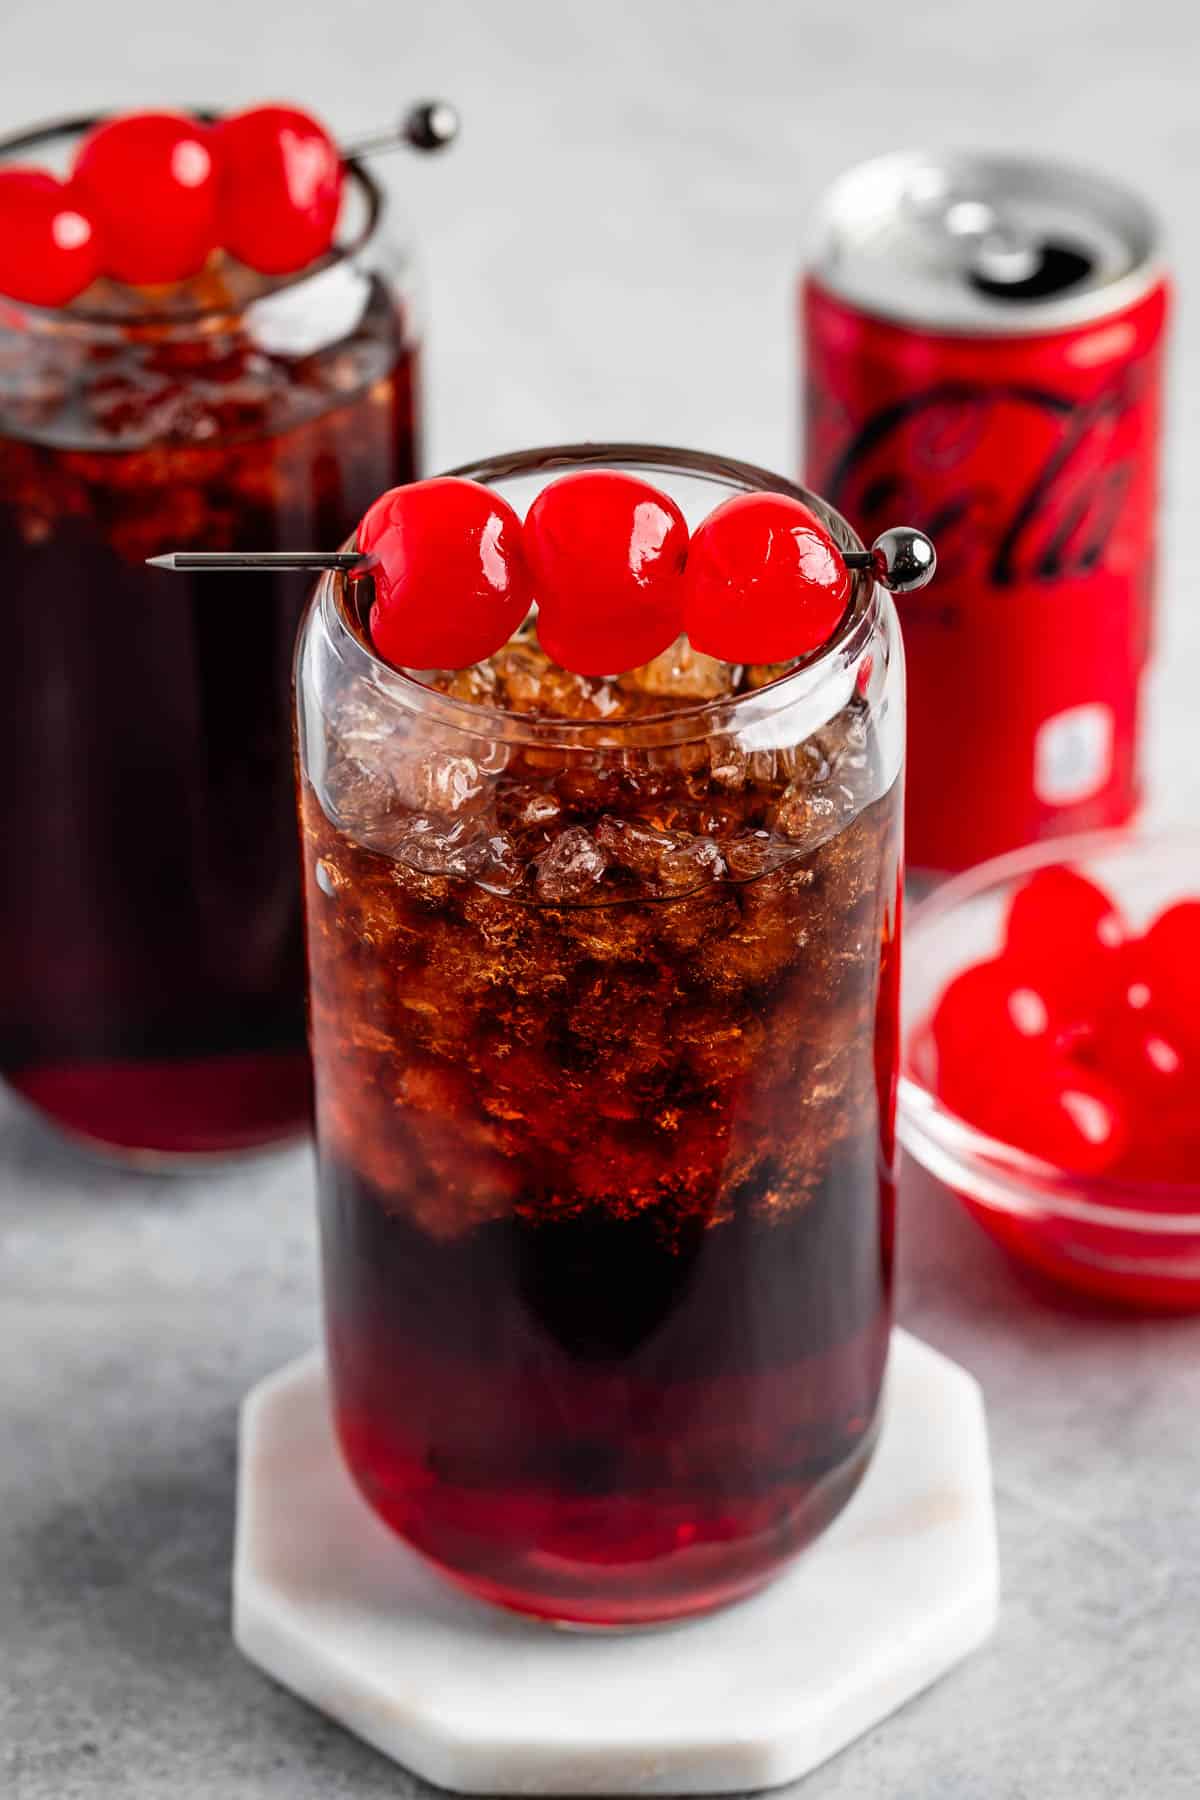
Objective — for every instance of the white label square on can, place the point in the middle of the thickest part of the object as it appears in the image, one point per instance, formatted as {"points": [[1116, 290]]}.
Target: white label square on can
{"points": [[1073, 755]]}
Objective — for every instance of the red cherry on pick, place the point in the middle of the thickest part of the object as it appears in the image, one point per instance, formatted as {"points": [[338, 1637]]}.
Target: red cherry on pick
{"points": [[765, 581], [451, 585], [606, 552], [48, 247], [150, 182], [281, 187]]}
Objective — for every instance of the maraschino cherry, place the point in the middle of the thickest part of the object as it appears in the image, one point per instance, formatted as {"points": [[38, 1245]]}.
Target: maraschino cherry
{"points": [[150, 182], [604, 554], [283, 177], [993, 1036], [1141, 1053], [451, 583], [765, 581], [606, 551], [48, 246], [155, 193], [1074, 1119], [281, 187], [1171, 962], [1066, 935], [1079, 1043]]}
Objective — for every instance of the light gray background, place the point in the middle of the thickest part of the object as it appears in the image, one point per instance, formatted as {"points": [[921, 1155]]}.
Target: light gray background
{"points": [[610, 251]]}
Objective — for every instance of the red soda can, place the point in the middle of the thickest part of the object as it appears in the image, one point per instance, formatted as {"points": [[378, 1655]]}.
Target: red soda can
{"points": [[983, 343]]}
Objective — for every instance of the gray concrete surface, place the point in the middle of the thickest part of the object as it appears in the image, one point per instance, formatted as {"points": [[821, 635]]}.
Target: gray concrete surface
{"points": [[137, 1311], [610, 252]]}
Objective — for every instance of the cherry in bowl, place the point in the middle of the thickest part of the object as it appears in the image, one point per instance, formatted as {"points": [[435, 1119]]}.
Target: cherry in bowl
{"points": [[1051, 1064]]}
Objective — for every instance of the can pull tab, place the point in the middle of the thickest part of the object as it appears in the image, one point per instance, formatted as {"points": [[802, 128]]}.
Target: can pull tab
{"points": [[1008, 262], [901, 560], [994, 249]]}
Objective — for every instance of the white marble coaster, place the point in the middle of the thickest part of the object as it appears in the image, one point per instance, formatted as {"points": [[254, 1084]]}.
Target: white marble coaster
{"points": [[336, 1608]]}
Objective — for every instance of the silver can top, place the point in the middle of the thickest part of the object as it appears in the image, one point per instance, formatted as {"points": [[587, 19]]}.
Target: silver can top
{"points": [[983, 244]]}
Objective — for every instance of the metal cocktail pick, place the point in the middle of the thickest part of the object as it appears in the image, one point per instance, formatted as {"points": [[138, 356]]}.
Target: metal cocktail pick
{"points": [[430, 125], [902, 560], [347, 562]]}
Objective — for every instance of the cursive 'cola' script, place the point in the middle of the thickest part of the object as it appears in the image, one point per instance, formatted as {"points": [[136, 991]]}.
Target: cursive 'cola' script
{"points": [[1015, 484]]}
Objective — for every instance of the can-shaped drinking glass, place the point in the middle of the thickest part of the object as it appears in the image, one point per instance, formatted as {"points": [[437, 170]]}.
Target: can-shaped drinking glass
{"points": [[603, 982], [151, 948]]}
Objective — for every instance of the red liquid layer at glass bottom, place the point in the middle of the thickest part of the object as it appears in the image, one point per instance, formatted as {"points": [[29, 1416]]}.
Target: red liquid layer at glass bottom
{"points": [[200, 1106], [151, 950], [582, 1422], [601, 1564]]}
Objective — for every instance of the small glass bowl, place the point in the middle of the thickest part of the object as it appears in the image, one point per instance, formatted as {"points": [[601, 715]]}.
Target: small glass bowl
{"points": [[1133, 1242]]}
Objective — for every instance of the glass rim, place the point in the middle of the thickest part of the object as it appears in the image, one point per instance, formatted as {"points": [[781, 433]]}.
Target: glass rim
{"points": [[990, 1171], [680, 724], [32, 137]]}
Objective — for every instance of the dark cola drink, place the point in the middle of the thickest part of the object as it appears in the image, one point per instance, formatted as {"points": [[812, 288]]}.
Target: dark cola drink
{"points": [[983, 343], [151, 954], [603, 1001]]}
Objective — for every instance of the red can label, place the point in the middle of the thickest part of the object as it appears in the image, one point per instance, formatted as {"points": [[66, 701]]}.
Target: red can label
{"points": [[1032, 462]]}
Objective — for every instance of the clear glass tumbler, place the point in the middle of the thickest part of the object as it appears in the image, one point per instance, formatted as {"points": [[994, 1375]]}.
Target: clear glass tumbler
{"points": [[151, 951], [603, 980]]}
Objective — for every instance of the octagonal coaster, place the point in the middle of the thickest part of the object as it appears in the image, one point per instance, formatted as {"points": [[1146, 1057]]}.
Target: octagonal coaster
{"points": [[901, 1586]]}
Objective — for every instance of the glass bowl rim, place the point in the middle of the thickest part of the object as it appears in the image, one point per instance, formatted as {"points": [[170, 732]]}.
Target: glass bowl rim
{"points": [[989, 1171], [702, 718], [31, 137]]}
